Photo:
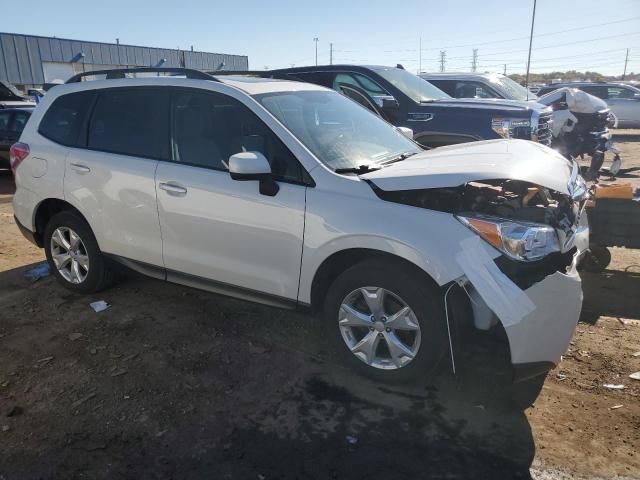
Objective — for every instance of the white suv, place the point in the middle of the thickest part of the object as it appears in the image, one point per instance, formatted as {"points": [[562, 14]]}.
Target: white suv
{"points": [[291, 195]]}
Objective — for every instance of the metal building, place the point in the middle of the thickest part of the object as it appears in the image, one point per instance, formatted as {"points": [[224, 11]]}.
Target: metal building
{"points": [[31, 61]]}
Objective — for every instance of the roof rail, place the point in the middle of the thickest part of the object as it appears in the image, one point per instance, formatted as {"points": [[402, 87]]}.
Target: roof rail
{"points": [[120, 73], [255, 73]]}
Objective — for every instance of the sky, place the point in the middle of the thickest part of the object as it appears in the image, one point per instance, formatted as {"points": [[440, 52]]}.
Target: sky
{"points": [[568, 35]]}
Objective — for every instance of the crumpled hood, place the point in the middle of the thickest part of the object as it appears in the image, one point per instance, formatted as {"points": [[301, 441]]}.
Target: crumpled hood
{"points": [[488, 160]]}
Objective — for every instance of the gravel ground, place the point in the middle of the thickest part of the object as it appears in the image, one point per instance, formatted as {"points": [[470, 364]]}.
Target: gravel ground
{"points": [[171, 382]]}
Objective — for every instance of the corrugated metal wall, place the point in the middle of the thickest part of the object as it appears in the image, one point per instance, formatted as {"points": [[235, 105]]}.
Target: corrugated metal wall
{"points": [[21, 56]]}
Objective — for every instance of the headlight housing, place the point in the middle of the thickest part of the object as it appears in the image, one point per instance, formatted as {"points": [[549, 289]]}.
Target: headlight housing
{"points": [[507, 127], [526, 242]]}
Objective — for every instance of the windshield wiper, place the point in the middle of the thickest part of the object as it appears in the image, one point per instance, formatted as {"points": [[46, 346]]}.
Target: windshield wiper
{"points": [[360, 169], [399, 158]]}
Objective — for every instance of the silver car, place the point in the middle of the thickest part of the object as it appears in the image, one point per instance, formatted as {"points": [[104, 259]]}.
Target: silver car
{"points": [[622, 99]]}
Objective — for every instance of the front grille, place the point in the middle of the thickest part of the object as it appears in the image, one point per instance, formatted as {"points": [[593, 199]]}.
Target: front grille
{"points": [[542, 132]]}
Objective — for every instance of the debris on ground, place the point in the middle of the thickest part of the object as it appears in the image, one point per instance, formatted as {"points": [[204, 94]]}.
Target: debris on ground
{"points": [[615, 407], [39, 271], [99, 306], [612, 386], [635, 376], [117, 373], [75, 336], [5, 428], [80, 401]]}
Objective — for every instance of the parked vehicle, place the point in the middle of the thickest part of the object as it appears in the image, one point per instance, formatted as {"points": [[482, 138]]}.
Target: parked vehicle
{"points": [[579, 126], [479, 85], [405, 100], [289, 194], [12, 122], [10, 97], [622, 99]]}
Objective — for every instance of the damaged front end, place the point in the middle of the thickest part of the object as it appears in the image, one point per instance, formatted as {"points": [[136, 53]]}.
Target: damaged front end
{"points": [[531, 286]]}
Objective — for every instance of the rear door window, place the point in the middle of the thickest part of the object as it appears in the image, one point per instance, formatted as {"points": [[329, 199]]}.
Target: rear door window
{"points": [[63, 120], [131, 121]]}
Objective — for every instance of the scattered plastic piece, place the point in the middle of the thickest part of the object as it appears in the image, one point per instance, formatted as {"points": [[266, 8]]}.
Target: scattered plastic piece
{"points": [[351, 440], [613, 386], [39, 271], [635, 376], [636, 354], [99, 306], [615, 407]]}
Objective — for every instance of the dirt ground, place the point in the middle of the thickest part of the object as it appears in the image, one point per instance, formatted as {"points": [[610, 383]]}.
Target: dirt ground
{"points": [[171, 382]]}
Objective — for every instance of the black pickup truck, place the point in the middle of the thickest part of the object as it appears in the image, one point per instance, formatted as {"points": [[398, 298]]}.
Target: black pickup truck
{"points": [[406, 100]]}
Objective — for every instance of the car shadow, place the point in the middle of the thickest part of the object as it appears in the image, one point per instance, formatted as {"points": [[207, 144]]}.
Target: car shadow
{"points": [[237, 390], [612, 293]]}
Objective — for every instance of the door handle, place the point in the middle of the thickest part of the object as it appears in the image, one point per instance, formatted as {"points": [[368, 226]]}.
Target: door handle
{"points": [[80, 168], [173, 188]]}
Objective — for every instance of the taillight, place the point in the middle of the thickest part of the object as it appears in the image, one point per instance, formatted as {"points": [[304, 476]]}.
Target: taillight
{"points": [[18, 152]]}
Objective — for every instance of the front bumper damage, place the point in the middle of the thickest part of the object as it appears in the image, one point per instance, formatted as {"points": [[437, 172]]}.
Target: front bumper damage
{"points": [[539, 320]]}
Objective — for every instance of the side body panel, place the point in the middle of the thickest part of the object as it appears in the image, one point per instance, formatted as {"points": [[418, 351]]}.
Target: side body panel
{"points": [[118, 199], [225, 230], [349, 215]]}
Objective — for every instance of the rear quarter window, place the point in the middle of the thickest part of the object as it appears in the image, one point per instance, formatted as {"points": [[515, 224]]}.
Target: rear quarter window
{"points": [[63, 121]]}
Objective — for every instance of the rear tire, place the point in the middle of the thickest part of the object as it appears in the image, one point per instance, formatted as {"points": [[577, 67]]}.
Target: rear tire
{"points": [[401, 352], [73, 254]]}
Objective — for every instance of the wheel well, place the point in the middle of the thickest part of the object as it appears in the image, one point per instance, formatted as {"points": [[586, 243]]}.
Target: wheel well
{"points": [[47, 209], [337, 263]]}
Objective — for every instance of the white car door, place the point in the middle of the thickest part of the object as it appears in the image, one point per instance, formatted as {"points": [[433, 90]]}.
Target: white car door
{"points": [[219, 233], [111, 180]]}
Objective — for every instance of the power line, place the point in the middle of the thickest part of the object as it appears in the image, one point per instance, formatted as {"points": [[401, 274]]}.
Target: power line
{"points": [[520, 38]]}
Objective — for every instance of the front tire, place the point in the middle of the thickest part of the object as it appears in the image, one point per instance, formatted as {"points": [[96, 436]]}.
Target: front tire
{"points": [[387, 321], [73, 254]]}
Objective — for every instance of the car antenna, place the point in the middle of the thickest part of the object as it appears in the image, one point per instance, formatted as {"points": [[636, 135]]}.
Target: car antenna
{"points": [[399, 65]]}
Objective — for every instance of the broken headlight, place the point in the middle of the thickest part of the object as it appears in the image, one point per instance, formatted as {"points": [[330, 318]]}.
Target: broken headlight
{"points": [[521, 241], [507, 127]]}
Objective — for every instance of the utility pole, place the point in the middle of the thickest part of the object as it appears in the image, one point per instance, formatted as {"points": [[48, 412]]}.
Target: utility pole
{"points": [[474, 62], [626, 60], [315, 39], [505, 69], [331, 54], [533, 20], [420, 57], [443, 61]]}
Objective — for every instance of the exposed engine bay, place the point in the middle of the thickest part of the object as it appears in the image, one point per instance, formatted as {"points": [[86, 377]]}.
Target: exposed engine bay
{"points": [[513, 200], [508, 199]]}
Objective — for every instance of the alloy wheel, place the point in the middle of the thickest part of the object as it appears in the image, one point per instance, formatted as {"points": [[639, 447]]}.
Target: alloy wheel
{"points": [[379, 328], [69, 255]]}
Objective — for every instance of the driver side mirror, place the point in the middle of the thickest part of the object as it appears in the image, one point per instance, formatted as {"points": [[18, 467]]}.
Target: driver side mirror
{"points": [[245, 166], [389, 103]]}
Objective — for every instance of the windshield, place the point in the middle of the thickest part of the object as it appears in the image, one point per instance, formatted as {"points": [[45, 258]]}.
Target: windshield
{"points": [[411, 85], [341, 133], [514, 89]]}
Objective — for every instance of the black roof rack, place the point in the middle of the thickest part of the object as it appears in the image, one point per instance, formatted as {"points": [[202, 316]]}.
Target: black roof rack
{"points": [[120, 73], [254, 73]]}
